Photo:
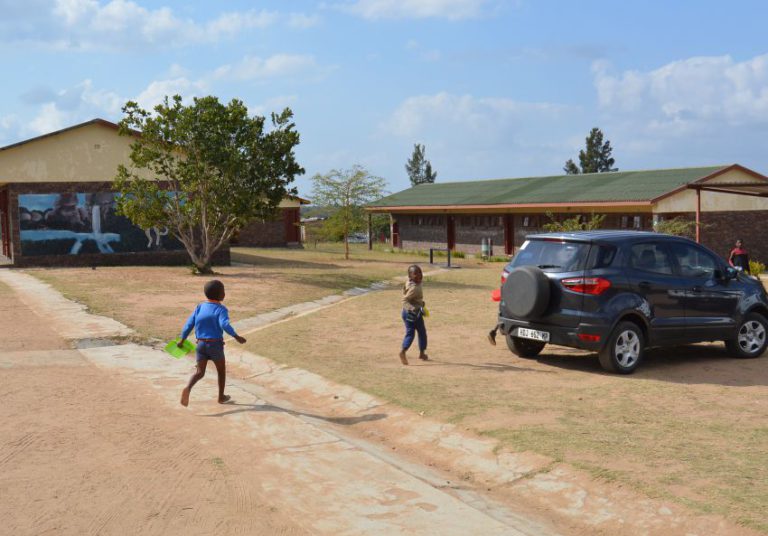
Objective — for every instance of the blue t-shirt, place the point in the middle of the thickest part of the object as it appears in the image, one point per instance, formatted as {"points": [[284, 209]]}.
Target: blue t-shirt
{"points": [[210, 320]]}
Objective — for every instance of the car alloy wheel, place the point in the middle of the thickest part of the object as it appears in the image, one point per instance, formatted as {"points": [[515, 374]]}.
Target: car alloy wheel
{"points": [[627, 348], [751, 337], [624, 349]]}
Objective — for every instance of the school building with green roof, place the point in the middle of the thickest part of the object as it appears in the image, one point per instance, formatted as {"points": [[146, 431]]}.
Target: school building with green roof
{"points": [[727, 201]]}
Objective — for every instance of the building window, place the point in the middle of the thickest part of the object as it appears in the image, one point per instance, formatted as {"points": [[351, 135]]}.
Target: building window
{"points": [[625, 222], [638, 222]]}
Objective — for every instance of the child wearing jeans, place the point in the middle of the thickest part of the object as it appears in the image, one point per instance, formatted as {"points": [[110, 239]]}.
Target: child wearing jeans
{"points": [[413, 314], [210, 320]]}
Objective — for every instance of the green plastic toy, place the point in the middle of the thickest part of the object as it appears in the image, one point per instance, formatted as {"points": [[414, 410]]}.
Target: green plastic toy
{"points": [[173, 349]]}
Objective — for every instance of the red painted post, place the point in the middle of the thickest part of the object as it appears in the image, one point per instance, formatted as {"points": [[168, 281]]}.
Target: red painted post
{"points": [[698, 215]]}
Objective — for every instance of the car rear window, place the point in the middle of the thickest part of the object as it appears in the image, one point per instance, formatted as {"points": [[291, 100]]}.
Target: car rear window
{"points": [[552, 255], [601, 256]]}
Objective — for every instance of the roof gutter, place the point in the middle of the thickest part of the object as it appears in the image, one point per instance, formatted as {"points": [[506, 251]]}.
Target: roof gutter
{"points": [[506, 206]]}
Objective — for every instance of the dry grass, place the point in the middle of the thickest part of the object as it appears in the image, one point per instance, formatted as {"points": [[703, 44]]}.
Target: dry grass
{"points": [[691, 425], [157, 300]]}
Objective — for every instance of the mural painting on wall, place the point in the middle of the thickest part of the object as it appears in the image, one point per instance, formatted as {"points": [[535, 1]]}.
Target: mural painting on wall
{"points": [[77, 223]]}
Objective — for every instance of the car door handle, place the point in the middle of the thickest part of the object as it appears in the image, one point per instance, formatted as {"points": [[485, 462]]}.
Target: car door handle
{"points": [[696, 288], [644, 285]]}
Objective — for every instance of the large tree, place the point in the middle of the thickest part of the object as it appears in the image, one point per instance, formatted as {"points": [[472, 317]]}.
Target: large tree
{"points": [[204, 170], [419, 169], [346, 192], [595, 158]]}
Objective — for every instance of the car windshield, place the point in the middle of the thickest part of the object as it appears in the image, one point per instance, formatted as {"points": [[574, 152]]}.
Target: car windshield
{"points": [[552, 255]]}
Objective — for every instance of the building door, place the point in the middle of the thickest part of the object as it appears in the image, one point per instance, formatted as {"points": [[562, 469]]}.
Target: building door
{"points": [[450, 222], [5, 224], [395, 232], [292, 221], [509, 234]]}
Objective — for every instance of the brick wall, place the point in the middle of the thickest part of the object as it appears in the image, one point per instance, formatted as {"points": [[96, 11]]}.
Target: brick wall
{"points": [[262, 234], [282, 230], [427, 232], [721, 229], [471, 229]]}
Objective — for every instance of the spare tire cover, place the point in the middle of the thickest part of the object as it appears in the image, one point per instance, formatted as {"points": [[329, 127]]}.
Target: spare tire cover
{"points": [[526, 292]]}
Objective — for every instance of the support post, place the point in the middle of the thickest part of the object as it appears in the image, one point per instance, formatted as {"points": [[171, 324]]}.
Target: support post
{"points": [[698, 215], [370, 232]]}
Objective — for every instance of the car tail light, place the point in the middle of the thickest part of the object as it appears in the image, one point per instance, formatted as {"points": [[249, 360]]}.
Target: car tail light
{"points": [[504, 276], [588, 337], [587, 285]]}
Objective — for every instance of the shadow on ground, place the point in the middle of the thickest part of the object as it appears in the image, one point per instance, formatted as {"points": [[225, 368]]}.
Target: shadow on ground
{"points": [[694, 364], [346, 421], [493, 367]]}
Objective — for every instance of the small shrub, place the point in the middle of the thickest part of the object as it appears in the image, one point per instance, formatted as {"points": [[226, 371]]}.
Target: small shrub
{"points": [[458, 254], [573, 224], [756, 267], [678, 226], [498, 258]]}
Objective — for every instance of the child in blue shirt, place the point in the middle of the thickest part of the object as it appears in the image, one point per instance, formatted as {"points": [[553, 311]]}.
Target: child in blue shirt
{"points": [[210, 320]]}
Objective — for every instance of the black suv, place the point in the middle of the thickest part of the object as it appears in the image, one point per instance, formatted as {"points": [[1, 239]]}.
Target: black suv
{"points": [[620, 292]]}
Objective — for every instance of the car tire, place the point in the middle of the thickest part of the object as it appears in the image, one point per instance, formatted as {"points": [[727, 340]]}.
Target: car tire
{"points": [[524, 347], [526, 292], [751, 337], [624, 349]]}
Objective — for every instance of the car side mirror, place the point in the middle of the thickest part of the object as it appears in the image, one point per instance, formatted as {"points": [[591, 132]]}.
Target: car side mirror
{"points": [[730, 273]]}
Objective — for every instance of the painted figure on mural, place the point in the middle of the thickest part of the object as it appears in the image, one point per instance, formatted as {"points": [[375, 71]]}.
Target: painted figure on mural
{"points": [[66, 214]]}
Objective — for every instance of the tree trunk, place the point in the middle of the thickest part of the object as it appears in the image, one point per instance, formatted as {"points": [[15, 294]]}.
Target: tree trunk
{"points": [[346, 240], [206, 269]]}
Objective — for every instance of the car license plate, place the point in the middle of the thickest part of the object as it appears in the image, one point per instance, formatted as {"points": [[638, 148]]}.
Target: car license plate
{"points": [[533, 334]]}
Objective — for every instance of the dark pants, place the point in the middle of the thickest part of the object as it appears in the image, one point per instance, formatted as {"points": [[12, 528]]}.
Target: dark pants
{"points": [[414, 322]]}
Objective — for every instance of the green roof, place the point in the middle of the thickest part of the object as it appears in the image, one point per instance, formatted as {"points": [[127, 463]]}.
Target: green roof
{"points": [[617, 186]]}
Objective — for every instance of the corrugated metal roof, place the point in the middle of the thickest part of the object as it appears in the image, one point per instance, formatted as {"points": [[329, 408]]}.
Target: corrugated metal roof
{"points": [[618, 186]]}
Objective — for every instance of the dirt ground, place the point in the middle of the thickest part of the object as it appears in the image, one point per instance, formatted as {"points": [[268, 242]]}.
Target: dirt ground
{"points": [[84, 453]]}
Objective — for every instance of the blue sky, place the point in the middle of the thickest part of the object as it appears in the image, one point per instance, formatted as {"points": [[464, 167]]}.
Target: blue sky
{"points": [[492, 88]]}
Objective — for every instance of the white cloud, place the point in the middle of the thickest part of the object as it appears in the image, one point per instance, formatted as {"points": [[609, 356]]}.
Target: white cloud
{"points": [[279, 65], [48, 119], [688, 93], [93, 24], [73, 11], [65, 107], [416, 9], [230, 24], [695, 111], [157, 90], [487, 116], [8, 125], [474, 137]]}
